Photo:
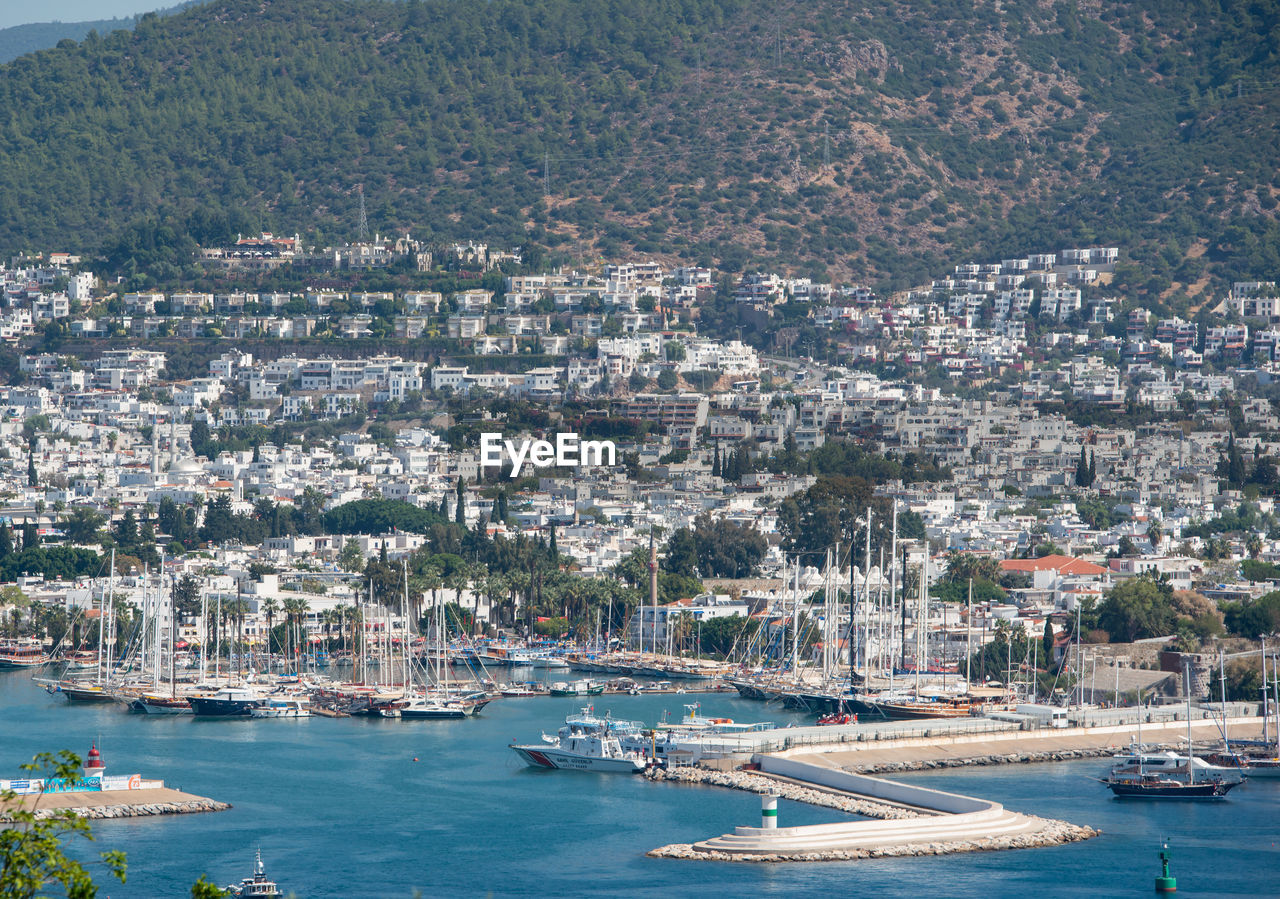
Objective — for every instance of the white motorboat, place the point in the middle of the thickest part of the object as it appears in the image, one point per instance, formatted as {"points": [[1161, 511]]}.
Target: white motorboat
{"points": [[287, 707], [259, 885], [585, 743]]}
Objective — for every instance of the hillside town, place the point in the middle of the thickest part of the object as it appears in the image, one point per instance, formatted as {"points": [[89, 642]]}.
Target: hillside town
{"points": [[1024, 416]]}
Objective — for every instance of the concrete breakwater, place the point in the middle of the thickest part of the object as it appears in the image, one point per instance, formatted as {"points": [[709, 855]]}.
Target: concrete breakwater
{"points": [[756, 783], [1049, 833], [188, 807], [907, 819]]}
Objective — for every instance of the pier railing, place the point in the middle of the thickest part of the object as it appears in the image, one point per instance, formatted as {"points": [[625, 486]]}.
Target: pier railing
{"points": [[783, 739]]}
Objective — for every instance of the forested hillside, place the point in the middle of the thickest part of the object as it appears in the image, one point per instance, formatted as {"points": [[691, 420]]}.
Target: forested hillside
{"points": [[867, 140]]}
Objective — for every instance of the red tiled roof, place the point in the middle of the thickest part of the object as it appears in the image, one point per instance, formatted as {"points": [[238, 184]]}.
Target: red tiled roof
{"points": [[1060, 564]]}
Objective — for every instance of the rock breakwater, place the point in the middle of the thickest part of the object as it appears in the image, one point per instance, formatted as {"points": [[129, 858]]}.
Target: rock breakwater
{"points": [[1009, 758], [141, 810], [756, 783]]}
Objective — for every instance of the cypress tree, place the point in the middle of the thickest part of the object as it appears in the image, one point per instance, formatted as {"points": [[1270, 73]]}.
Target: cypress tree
{"points": [[6, 541], [30, 538], [1093, 468], [444, 507], [32, 479], [460, 511], [715, 463], [555, 554], [1082, 470], [1048, 643], [1235, 463]]}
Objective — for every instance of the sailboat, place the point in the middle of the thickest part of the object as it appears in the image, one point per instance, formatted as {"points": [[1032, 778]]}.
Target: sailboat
{"points": [[97, 689], [428, 704], [1259, 760], [1167, 775], [156, 702]]}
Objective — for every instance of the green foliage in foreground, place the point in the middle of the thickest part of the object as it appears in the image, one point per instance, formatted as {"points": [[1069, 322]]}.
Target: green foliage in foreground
{"points": [[32, 854]]}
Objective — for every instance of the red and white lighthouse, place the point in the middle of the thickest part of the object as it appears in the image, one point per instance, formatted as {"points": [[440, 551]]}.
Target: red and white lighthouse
{"points": [[93, 765]]}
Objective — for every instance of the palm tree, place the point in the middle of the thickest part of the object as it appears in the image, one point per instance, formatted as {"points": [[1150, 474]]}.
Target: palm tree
{"points": [[494, 587], [341, 612], [236, 609], [269, 607], [475, 577], [296, 608], [329, 617], [517, 585], [456, 582]]}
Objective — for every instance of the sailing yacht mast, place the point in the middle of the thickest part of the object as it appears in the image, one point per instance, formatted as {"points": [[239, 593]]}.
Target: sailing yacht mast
{"points": [[404, 639], [111, 611], [922, 633], [968, 640], [866, 598], [893, 586], [795, 622], [1191, 767]]}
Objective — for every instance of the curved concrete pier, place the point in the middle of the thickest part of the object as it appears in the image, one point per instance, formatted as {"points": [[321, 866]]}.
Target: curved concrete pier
{"points": [[944, 822]]}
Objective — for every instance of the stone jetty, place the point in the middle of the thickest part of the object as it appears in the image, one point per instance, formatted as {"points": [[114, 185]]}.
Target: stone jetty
{"points": [[122, 803], [1007, 758]]}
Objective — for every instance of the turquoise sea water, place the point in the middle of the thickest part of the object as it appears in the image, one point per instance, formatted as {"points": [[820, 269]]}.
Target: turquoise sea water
{"points": [[340, 808]]}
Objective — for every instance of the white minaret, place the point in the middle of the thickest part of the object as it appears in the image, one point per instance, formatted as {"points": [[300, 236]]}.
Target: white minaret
{"points": [[155, 448]]}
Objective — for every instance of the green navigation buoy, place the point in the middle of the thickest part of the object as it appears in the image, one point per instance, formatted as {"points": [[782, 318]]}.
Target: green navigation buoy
{"points": [[1165, 883]]}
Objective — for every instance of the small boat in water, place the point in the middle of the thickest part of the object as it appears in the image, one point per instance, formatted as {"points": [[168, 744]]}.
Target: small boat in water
{"points": [[256, 886], [286, 707], [159, 704], [578, 688]]}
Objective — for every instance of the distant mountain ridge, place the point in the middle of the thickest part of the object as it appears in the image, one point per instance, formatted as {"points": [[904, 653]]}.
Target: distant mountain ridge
{"points": [[19, 40], [872, 142]]}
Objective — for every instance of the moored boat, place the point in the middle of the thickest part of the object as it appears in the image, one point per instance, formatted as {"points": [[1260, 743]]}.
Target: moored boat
{"points": [[229, 702], [159, 704], [282, 707], [585, 743], [1159, 786], [22, 655]]}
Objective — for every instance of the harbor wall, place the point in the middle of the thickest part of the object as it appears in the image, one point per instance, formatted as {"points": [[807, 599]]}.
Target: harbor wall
{"points": [[874, 787], [945, 744]]}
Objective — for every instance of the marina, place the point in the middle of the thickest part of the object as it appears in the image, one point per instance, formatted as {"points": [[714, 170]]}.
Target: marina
{"points": [[283, 780]]}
